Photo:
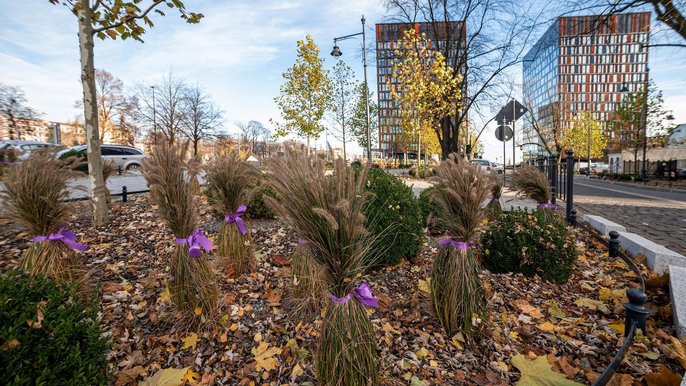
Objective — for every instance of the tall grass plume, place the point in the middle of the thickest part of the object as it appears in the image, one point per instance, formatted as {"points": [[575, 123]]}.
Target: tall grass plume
{"points": [[192, 286], [327, 211], [494, 209], [458, 294], [230, 182], [305, 297], [34, 196]]}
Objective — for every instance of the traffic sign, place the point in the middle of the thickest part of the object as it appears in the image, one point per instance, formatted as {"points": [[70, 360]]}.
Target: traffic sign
{"points": [[499, 133]]}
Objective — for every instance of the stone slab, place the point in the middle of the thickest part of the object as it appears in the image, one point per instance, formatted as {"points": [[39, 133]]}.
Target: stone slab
{"points": [[658, 257], [603, 225], [677, 291]]}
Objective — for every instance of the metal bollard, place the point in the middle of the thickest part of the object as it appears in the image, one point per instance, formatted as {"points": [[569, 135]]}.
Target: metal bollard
{"points": [[119, 169], [614, 244], [572, 218], [635, 310], [123, 193], [569, 196]]}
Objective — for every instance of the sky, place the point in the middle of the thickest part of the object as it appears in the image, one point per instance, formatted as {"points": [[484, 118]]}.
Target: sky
{"points": [[238, 53]]}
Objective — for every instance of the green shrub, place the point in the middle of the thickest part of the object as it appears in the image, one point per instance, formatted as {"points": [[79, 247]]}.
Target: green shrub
{"points": [[428, 208], [530, 243], [422, 171], [394, 215], [257, 208], [81, 156], [64, 348]]}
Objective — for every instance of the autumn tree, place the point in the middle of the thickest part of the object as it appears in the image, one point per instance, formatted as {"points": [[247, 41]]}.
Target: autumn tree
{"points": [[483, 40], [13, 105], [424, 87], [108, 19], [358, 119], [306, 94], [343, 103], [549, 125], [629, 131], [587, 132], [201, 118]]}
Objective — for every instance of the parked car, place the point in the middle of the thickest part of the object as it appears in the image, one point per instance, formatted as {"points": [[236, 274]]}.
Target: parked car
{"points": [[681, 174], [597, 167], [126, 157], [24, 148], [485, 164]]}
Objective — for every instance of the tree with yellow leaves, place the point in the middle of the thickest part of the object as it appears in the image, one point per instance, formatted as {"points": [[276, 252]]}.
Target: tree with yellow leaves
{"points": [[424, 86], [586, 131], [305, 95]]}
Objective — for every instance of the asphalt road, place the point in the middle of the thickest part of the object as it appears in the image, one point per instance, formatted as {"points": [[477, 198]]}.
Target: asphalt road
{"points": [[656, 215]]}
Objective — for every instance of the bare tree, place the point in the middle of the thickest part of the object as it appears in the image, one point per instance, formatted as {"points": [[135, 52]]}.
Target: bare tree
{"points": [[202, 118], [256, 130], [492, 40], [163, 104], [343, 103], [13, 105]]}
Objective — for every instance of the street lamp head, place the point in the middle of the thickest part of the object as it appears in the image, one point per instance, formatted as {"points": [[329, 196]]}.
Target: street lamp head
{"points": [[336, 52]]}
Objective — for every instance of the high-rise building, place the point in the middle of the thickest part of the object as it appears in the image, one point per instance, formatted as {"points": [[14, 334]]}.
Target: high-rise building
{"points": [[449, 37], [584, 64]]}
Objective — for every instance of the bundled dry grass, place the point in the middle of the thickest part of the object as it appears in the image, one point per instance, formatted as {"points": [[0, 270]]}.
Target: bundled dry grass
{"points": [[230, 182], [532, 183], [306, 295], [494, 209], [193, 283], [34, 196], [458, 294], [328, 213]]}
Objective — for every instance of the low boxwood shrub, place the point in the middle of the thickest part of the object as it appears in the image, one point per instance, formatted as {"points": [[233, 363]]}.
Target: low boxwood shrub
{"points": [[257, 208], [530, 243], [48, 336], [81, 156], [393, 214]]}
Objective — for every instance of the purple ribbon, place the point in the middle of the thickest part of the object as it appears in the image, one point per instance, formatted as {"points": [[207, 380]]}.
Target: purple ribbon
{"points": [[362, 293], [455, 244], [548, 205], [302, 241], [236, 217], [64, 235], [196, 241]]}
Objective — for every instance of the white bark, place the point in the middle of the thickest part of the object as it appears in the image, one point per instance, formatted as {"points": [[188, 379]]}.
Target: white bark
{"points": [[97, 182]]}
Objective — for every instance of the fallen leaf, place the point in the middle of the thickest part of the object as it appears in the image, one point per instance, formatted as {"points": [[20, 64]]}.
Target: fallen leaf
{"points": [[273, 297], [40, 310], [588, 303], [264, 356], [166, 377], [525, 307], [192, 377], [424, 285], [297, 371], [416, 381], [190, 341], [664, 378], [164, 296], [10, 345], [422, 353], [197, 311], [539, 372], [621, 380], [547, 326]]}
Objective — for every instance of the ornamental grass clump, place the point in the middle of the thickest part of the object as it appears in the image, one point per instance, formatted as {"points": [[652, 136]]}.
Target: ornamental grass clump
{"points": [[305, 297], [229, 183], [328, 213], [494, 209], [532, 183], [192, 286], [34, 196], [458, 294]]}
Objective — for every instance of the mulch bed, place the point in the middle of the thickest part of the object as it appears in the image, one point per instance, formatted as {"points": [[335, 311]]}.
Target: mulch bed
{"points": [[578, 326]]}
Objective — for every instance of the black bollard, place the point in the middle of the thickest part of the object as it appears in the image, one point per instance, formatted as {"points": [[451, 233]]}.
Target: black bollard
{"points": [[119, 169], [614, 244], [569, 196], [123, 193], [572, 218], [635, 310]]}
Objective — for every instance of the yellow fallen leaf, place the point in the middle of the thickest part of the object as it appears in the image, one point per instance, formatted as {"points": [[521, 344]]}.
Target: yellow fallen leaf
{"points": [[247, 308], [297, 371], [604, 293], [164, 296], [197, 311], [547, 326], [264, 356], [588, 303], [458, 340], [433, 363], [258, 337], [233, 327], [617, 327], [388, 328], [422, 353], [538, 372], [127, 287], [192, 377], [424, 285], [190, 341], [166, 377], [514, 334]]}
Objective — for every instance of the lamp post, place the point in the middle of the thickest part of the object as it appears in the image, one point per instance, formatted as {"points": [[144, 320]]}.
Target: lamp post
{"points": [[644, 118], [154, 118], [336, 52]]}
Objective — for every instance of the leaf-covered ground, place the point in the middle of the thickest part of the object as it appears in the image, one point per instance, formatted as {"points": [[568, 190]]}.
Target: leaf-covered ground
{"points": [[534, 327]]}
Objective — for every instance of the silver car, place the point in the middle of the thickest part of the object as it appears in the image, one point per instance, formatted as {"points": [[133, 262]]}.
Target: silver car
{"points": [[484, 164], [24, 148], [126, 157]]}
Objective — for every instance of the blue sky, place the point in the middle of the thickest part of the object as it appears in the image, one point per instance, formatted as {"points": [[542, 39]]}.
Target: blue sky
{"points": [[237, 53]]}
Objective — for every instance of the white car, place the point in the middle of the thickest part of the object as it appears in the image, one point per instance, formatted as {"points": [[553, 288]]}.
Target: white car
{"points": [[24, 148], [126, 157], [486, 165]]}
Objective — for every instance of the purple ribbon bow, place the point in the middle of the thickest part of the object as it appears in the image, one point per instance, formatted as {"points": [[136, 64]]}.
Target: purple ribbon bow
{"points": [[236, 217], [548, 205], [455, 244], [64, 235], [362, 293], [196, 241], [302, 241]]}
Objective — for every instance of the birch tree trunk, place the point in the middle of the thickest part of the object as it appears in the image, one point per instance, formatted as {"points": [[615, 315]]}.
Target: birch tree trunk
{"points": [[97, 182]]}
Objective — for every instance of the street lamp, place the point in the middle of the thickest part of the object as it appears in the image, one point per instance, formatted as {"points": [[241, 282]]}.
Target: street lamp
{"points": [[336, 52]]}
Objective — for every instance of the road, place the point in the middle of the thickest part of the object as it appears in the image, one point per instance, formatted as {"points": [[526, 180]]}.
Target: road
{"points": [[656, 215]]}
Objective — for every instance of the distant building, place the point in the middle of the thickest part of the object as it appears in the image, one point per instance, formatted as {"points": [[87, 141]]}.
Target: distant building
{"points": [[388, 35], [678, 136], [582, 63]]}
